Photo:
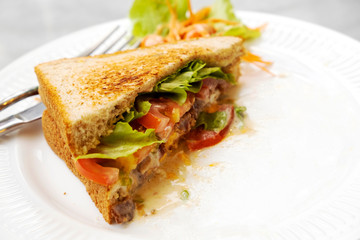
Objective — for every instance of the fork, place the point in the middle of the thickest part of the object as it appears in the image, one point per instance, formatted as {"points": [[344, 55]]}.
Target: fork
{"points": [[34, 113]]}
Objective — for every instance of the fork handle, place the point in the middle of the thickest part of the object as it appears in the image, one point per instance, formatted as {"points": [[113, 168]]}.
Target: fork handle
{"points": [[18, 97]]}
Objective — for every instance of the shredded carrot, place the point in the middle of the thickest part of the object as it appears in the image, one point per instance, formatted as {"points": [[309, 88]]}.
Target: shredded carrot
{"points": [[199, 16], [173, 25], [203, 13], [171, 9], [190, 9], [260, 28], [257, 61], [263, 68], [250, 57]]}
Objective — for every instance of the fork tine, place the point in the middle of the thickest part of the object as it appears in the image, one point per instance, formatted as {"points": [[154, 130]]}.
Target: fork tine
{"points": [[114, 43], [126, 43], [132, 44], [92, 49]]}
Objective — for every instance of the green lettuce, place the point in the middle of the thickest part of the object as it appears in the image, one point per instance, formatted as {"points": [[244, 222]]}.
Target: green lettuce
{"points": [[242, 31], [122, 142], [189, 79], [217, 121], [240, 112], [223, 9], [212, 121], [147, 15], [140, 109]]}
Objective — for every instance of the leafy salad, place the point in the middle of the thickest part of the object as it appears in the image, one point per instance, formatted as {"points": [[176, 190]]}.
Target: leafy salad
{"points": [[168, 18], [161, 21]]}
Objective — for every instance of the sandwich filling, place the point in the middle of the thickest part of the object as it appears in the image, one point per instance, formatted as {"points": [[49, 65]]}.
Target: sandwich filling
{"points": [[184, 103]]}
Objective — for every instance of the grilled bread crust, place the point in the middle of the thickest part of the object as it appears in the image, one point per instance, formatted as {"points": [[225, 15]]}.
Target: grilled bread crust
{"points": [[85, 95]]}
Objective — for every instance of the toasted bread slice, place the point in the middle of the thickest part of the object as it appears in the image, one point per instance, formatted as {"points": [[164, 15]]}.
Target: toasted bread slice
{"points": [[87, 93]]}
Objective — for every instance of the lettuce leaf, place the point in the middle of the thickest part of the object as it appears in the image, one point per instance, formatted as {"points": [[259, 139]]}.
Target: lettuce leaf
{"points": [[189, 79], [240, 112], [140, 109], [215, 121], [242, 31], [223, 9], [146, 15], [122, 142]]}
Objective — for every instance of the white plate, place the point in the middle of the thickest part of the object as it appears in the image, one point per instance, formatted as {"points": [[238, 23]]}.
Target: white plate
{"points": [[294, 175]]}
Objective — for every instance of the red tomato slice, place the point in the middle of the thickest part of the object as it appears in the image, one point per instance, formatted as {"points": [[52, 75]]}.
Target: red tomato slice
{"points": [[164, 113], [200, 138], [167, 107], [143, 152], [171, 108], [154, 119], [91, 169]]}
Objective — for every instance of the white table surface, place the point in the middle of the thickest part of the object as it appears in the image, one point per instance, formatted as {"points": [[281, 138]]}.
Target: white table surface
{"points": [[25, 25]]}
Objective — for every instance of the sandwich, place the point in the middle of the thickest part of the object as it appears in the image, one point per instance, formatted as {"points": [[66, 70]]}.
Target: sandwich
{"points": [[114, 118]]}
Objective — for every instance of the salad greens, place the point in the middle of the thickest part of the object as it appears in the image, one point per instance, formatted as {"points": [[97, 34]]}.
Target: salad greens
{"points": [[123, 142], [147, 15], [222, 9], [243, 31], [240, 111], [189, 79], [215, 121], [140, 109], [184, 195]]}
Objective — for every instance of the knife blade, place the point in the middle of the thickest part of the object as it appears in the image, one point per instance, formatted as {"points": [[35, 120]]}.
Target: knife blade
{"points": [[15, 121]]}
